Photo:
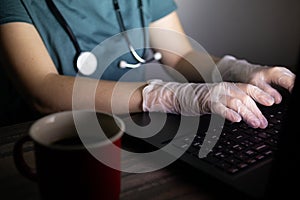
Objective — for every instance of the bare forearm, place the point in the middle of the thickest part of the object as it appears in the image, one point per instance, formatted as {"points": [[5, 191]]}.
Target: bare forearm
{"points": [[197, 66], [59, 93], [179, 51]]}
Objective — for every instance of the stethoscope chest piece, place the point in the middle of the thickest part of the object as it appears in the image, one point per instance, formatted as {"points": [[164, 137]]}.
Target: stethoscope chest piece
{"points": [[86, 63]]}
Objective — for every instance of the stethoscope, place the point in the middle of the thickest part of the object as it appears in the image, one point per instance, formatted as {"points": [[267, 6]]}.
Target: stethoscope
{"points": [[85, 62]]}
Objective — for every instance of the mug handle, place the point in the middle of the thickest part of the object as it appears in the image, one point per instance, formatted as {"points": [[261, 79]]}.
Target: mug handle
{"points": [[20, 162]]}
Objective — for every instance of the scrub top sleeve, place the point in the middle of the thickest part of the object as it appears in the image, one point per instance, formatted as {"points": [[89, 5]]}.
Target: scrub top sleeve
{"points": [[13, 11], [161, 8]]}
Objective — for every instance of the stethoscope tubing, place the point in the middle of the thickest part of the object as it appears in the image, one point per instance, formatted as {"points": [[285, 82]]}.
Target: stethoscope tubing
{"points": [[65, 25], [123, 29], [81, 56]]}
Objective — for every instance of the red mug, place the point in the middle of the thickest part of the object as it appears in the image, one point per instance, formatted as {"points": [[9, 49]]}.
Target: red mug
{"points": [[64, 167]]}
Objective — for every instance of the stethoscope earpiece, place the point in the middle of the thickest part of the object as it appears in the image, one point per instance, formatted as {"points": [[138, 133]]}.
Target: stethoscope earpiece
{"points": [[123, 64], [157, 56]]}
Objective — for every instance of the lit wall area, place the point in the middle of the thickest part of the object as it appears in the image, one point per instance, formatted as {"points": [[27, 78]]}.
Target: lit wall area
{"points": [[262, 31]]}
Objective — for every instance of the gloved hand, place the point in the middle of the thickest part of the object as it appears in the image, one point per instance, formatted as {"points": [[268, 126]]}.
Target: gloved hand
{"points": [[232, 101], [232, 69]]}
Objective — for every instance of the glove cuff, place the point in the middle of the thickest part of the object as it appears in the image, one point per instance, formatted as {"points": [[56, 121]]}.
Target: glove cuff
{"points": [[173, 97]]}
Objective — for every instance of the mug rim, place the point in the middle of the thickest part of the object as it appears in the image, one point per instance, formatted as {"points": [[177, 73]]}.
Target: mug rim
{"points": [[115, 136]]}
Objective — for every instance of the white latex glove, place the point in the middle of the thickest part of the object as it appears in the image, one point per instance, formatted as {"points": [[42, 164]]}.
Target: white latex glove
{"points": [[232, 101], [232, 69]]}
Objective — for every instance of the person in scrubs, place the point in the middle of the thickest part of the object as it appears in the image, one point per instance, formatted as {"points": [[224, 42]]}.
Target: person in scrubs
{"points": [[47, 46]]}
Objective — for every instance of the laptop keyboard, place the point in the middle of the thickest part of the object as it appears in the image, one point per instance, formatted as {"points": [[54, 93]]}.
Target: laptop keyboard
{"points": [[240, 146]]}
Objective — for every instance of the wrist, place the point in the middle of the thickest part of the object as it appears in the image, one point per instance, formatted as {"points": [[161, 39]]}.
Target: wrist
{"points": [[174, 97]]}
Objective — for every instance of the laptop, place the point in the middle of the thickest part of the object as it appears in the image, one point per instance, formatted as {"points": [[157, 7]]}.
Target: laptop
{"points": [[258, 163]]}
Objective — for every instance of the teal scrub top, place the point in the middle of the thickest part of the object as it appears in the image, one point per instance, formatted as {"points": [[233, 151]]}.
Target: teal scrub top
{"points": [[92, 22]]}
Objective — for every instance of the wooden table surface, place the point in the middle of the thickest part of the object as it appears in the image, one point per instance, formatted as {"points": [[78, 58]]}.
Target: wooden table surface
{"points": [[176, 181]]}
